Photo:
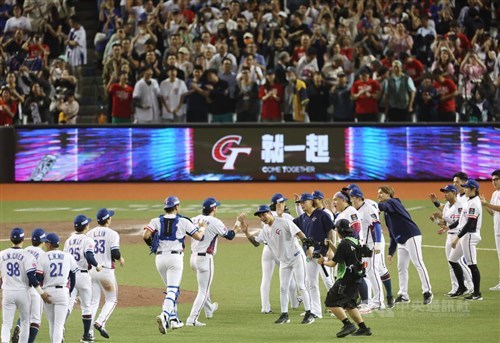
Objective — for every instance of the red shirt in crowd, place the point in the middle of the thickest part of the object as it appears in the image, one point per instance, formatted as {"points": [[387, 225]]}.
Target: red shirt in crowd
{"points": [[121, 100], [366, 104], [271, 107], [5, 118], [444, 88], [414, 69]]}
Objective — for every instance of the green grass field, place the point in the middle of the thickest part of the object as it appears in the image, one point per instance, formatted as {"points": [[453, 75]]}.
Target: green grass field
{"points": [[237, 280]]}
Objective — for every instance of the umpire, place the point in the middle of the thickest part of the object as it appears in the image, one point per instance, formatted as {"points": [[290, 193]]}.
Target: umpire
{"points": [[344, 293]]}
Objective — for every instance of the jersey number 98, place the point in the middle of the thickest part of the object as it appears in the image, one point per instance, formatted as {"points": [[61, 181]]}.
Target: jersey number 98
{"points": [[13, 269]]}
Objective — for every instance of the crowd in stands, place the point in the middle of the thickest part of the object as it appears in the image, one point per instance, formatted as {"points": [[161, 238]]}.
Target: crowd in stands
{"points": [[268, 60], [37, 78]]}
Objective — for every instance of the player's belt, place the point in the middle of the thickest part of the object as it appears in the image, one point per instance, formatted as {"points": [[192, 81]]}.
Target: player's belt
{"points": [[204, 254], [174, 252], [84, 271], [452, 233]]}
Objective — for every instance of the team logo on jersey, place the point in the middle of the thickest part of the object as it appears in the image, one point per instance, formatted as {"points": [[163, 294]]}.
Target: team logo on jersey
{"points": [[278, 232], [354, 217], [472, 210], [226, 150]]}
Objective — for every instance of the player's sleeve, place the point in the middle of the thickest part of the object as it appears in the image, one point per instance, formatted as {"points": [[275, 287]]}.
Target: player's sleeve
{"points": [[294, 229], [39, 269], [260, 238], [114, 242], [328, 224], [152, 227], [298, 209], [377, 228], [472, 217], [191, 229], [223, 231], [88, 252], [392, 246], [386, 206]]}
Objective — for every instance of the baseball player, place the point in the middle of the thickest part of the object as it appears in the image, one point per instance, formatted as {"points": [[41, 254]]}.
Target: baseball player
{"points": [[469, 235], [17, 271], [380, 266], [344, 293], [317, 225], [407, 238], [37, 238], [280, 235], [371, 231], [165, 235], [202, 259], [318, 202], [55, 268], [493, 208], [106, 252], [449, 215], [269, 260], [81, 247]]}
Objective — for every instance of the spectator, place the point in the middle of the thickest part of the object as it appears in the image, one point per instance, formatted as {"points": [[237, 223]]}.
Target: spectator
{"points": [[76, 50], [218, 98], [283, 61], [340, 98], [121, 100], [319, 97], [248, 104], [297, 96], [230, 77], [171, 61], [445, 61], [113, 66], [145, 99], [481, 110], [16, 92], [171, 95], [365, 92], [69, 109], [184, 63], [447, 90], [196, 98], [307, 65], [5, 9], [8, 108], [36, 106], [271, 94], [399, 94], [17, 22], [223, 53], [36, 11], [412, 67], [400, 41], [472, 71], [14, 46], [427, 100], [53, 32]]}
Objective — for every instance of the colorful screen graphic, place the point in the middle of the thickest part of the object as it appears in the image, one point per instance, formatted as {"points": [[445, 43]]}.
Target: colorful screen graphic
{"points": [[255, 153]]}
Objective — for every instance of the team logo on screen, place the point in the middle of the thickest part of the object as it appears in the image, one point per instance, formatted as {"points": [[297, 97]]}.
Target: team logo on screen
{"points": [[227, 149]]}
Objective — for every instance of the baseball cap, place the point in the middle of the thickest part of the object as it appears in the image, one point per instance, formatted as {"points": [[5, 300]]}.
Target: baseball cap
{"points": [[365, 70], [449, 188], [210, 203], [38, 235], [343, 226], [16, 234], [171, 201], [184, 50], [278, 198], [53, 239], [305, 197], [282, 55], [248, 35], [81, 221], [262, 209], [350, 187], [291, 70], [318, 195], [471, 184], [356, 192], [282, 14], [104, 214]]}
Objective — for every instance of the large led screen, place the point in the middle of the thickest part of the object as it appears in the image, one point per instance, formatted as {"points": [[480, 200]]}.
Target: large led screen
{"points": [[255, 153]]}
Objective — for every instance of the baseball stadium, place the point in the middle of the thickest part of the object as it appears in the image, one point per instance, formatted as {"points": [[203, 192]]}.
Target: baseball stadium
{"points": [[249, 171]]}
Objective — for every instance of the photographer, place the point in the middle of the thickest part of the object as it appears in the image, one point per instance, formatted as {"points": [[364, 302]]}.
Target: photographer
{"points": [[68, 109], [343, 295]]}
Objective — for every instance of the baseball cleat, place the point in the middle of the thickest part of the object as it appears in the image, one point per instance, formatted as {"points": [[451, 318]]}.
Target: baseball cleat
{"points": [[377, 307], [101, 330], [346, 330], [87, 339], [162, 324], [473, 297], [495, 288], [209, 315], [308, 318], [15, 334], [283, 319], [459, 292], [266, 312], [450, 293], [402, 300], [428, 298], [364, 309], [363, 332], [390, 301], [195, 323], [176, 323]]}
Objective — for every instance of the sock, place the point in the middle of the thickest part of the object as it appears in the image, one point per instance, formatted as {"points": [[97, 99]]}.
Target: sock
{"points": [[459, 274], [33, 333], [362, 325], [363, 291], [386, 280], [87, 321], [346, 322], [476, 278]]}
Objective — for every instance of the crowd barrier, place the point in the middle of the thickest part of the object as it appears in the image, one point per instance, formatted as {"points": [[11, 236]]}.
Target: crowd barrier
{"points": [[254, 152]]}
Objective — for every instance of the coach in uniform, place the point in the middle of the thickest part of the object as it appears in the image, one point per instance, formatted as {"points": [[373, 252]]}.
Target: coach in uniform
{"points": [[344, 293], [407, 238]]}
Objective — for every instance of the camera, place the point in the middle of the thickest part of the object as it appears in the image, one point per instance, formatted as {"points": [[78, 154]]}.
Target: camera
{"points": [[365, 251], [316, 255]]}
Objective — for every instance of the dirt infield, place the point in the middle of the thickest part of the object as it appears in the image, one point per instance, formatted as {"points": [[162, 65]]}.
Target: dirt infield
{"points": [[199, 191]]}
